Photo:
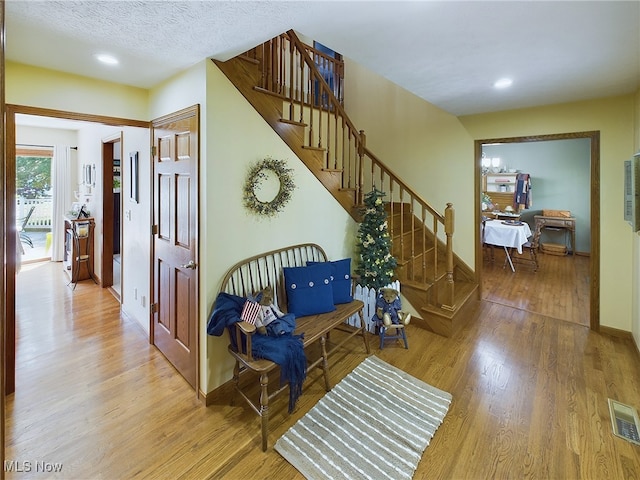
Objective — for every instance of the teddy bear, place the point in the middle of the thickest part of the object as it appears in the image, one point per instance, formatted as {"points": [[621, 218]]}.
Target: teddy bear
{"points": [[388, 307], [270, 320]]}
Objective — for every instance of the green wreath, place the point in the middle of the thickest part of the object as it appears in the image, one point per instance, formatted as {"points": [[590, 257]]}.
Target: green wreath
{"points": [[256, 175]]}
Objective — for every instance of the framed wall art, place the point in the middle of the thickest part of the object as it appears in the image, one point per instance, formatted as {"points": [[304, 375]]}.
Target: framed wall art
{"points": [[134, 194]]}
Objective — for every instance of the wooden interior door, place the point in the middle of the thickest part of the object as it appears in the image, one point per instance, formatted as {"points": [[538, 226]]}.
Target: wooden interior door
{"points": [[107, 210], [174, 310]]}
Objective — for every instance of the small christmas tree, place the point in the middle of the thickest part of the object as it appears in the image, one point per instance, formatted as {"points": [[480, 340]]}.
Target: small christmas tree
{"points": [[376, 264]]}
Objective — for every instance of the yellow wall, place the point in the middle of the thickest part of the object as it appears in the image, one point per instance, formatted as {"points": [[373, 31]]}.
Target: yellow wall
{"points": [[613, 117], [39, 87], [424, 145], [231, 233], [233, 137]]}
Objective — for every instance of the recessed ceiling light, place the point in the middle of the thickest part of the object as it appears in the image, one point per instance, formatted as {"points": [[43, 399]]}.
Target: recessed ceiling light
{"points": [[106, 58], [503, 83]]}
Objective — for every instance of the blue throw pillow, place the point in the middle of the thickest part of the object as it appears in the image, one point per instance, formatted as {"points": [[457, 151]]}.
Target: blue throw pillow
{"points": [[309, 289], [340, 280]]}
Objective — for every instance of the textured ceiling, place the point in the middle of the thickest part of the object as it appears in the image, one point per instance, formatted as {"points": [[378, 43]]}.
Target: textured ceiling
{"points": [[447, 52]]}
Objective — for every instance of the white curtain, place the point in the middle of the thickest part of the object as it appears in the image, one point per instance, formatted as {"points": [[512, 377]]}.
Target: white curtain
{"points": [[61, 195]]}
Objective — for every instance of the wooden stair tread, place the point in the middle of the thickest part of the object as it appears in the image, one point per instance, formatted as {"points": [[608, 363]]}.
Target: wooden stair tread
{"points": [[316, 149], [293, 122], [270, 93], [463, 291], [416, 237], [246, 58]]}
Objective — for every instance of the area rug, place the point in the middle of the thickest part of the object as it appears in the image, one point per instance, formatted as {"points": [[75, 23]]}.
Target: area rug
{"points": [[376, 423]]}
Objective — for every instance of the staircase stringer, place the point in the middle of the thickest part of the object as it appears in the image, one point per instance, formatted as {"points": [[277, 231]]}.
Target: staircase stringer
{"points": [[326, 141]]}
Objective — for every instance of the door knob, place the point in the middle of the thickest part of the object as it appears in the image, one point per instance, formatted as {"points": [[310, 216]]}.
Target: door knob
{"points": [[192, 265]]}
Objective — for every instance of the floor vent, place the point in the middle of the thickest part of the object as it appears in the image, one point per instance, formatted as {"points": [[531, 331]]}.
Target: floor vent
{"points": [[625, 422]]}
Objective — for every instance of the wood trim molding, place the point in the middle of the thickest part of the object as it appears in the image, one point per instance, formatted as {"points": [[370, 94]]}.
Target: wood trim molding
{"points": [[86, 117], [34, 152], [616, 332], [3, 311], [221, 395]]}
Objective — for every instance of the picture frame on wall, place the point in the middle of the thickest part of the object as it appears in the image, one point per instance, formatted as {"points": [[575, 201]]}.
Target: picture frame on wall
{"points": [[133, 168], [89, 179]]}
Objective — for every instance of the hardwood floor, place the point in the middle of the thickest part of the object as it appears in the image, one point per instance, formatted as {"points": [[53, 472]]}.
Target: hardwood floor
{"points": [[559, 289], [529, 397]]}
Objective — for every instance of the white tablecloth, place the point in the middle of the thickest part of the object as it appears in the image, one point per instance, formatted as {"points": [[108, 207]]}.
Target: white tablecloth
{"points": [[502, 235]]}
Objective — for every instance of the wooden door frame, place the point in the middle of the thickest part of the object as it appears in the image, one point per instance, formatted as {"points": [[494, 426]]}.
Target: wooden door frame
{"points": [[3, 293], [9, 310], [106, 279], [594, 258]]}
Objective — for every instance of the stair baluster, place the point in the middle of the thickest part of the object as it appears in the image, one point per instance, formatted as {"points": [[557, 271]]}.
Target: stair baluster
{"points": [[326, 140]]}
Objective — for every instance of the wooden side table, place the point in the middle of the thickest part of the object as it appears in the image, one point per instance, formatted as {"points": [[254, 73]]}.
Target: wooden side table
{"points": [[568, 224], [78, 249]]}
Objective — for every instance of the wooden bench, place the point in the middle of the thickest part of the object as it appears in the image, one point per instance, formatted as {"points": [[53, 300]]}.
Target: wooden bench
{"points": [[255, 273]]}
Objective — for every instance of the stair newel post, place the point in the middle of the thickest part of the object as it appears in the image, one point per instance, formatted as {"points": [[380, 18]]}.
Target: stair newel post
{"points": [[362, 142], [449, 221]]}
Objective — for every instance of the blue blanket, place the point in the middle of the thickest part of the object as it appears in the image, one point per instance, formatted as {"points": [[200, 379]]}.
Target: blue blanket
{"points": [[285, 350]]}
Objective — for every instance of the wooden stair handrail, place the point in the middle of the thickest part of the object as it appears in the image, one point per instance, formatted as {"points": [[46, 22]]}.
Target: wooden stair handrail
{"points": [[290, 73], [312, 67], [405, 186]]}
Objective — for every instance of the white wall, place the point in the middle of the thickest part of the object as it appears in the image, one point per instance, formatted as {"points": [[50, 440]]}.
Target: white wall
{"points": [[135, 221], [51, 137], [136, 228]]}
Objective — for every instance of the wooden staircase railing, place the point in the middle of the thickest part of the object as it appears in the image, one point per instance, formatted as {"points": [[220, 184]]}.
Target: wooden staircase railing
{"points": [[423, 238]]}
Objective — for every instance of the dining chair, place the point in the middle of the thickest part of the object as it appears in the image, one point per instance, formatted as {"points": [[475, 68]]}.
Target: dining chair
{"points": [[531, 246], [22, 224], [486, 246]]}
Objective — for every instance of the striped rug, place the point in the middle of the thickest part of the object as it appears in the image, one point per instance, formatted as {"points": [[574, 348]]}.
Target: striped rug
{"points": [[376, 423]]}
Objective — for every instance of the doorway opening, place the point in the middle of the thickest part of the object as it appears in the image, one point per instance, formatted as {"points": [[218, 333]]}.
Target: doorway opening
{"points": [[111, 214], [67, 128], [590, 270], [34, 201]]}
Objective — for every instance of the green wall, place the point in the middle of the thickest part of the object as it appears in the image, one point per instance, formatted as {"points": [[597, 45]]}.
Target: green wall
{"points": [[560, 180]]}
